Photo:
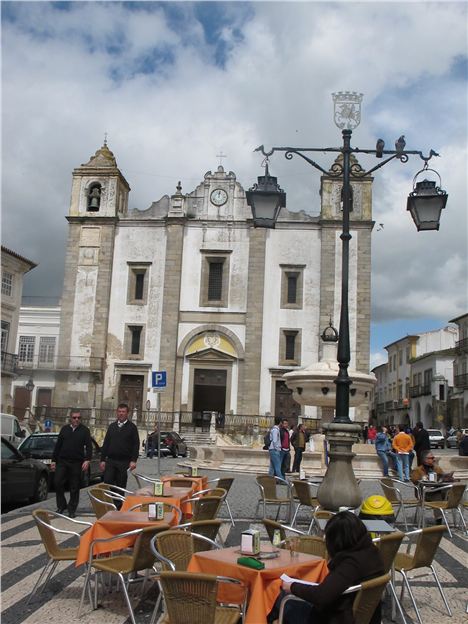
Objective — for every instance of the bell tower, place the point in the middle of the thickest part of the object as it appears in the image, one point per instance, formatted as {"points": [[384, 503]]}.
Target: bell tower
{"points": [[99, 198]]}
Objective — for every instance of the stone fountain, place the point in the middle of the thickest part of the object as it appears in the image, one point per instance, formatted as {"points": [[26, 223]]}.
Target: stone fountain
{"points": [[314, 385]]}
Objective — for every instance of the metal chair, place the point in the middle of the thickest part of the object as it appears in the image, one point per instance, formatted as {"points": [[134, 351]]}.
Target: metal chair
{"points": [[204, 508], [272, 525], [269, 495], [428, 541], [167, 508], [308, 544], [208, 528], [388, 546], [301, 491], [173, 550], [56, 553], [102, 501], [141, 479], [125, 566], [368, 595], [321, 514], [454, 501], [183, 482], [220, 492], [393, 489], [226, 484], [191, 599]]}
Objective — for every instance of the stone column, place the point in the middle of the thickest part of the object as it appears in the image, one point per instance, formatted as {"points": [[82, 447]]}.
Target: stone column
{"points": [[249, 375]]}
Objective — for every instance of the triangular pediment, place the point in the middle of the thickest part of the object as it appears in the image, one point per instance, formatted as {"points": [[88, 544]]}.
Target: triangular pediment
{"points": [[211, 355]]}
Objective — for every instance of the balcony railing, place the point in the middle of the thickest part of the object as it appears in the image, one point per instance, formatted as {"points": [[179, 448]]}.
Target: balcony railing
{"points": [[9, 362], [462, 345], [420, 390], [72, 363], [461, 381]]}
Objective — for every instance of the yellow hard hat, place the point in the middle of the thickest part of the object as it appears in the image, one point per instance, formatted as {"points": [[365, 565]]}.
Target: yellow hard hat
{"points": [[377, 505]]}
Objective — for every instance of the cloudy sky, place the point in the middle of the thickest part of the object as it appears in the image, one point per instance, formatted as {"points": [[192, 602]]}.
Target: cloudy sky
{"points": [[173, 83]]}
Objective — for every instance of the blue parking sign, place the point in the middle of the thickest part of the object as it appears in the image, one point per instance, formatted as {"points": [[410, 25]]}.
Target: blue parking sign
{"points": [[158, 379], [48, 423]]}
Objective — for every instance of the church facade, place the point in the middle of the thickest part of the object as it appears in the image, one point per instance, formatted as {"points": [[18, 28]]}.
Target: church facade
{"points": [[190, 287]]}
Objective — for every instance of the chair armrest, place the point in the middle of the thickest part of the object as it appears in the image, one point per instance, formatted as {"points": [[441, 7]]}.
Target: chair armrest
{"points": [[288, 598], [59, 515], [111, 539]]}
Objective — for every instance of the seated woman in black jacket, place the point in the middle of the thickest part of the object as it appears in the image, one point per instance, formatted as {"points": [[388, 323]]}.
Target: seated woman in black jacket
{"points": [[353, 559]]}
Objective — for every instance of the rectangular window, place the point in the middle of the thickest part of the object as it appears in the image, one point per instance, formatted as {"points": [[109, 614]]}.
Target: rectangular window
{"points": [[292, 288], [7, 283], [5, 334], [427, 376], [290, 347], [408, 354], [214, 284], [139, 286], [400, 357], [47, 349], [291, 285], [137, 289], [215, 281], [135, 339], [26, 348]]}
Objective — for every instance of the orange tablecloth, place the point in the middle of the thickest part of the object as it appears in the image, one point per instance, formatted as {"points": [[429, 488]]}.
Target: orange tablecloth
{"points": [[264, 585], [112, 523], [173, 495]]}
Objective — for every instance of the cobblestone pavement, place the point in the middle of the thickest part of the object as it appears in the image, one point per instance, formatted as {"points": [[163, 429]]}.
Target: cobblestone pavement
{"points": [[23, 558]]}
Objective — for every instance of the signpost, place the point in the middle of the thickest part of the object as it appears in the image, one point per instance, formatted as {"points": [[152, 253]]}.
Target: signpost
{"points": [[158, 382]]}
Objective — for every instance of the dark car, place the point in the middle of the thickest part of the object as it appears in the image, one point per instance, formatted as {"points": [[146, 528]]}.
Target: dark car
{"points": [[22, 478], [41, 446], [171, 444]]}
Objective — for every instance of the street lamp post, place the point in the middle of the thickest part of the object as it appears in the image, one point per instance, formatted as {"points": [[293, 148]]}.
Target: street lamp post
{"points": [[425, 204]]}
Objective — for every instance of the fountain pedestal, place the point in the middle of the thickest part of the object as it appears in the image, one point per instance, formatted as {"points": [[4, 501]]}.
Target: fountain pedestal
{"points": [[339, 487]]}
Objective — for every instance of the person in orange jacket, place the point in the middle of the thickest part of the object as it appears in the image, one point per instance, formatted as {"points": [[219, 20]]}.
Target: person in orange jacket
{"points": [[403, 446]]}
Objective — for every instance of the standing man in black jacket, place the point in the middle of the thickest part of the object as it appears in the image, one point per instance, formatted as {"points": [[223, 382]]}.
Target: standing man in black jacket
{"points": [[120, 449], [421, 441], [71, 457]]}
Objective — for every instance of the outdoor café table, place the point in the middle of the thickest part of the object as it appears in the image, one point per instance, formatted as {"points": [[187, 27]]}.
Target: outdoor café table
{"points": [[264, 585], [199, 483], [172, 495], [112, 523]]}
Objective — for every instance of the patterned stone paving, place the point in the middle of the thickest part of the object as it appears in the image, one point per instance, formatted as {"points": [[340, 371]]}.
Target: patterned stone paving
{"points": [[23, 558]]}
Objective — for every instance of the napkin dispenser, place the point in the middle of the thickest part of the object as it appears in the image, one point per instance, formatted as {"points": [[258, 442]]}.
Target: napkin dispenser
{"points": [[250, 542], [302, 474], [158, 488], [194, 471], [156, 511]]}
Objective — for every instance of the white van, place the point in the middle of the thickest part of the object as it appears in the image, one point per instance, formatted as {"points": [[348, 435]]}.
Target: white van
{"points": [[11, 429]]}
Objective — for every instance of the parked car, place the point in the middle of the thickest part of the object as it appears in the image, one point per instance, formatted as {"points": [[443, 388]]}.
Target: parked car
{"points": [[436, 438], [171, 444], [41, 446], [452, 440], [22, 478], [12, 430]]}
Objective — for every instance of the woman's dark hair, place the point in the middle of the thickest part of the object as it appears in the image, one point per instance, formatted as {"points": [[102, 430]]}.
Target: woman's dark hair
{"points": [[343, 531]]}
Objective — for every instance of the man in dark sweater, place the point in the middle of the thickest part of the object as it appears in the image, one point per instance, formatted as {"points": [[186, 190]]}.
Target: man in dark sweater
{"points": [[421, 441], [71, 457], [120, 449]]}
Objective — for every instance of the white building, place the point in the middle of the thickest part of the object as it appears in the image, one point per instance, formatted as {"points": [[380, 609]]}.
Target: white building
{"points": [[459, 399], [415, 384], [14, 267], [37, 348], [190, 287]]}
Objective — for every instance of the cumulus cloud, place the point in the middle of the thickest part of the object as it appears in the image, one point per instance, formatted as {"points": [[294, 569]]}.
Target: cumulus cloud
{"points": [[173, 83]]}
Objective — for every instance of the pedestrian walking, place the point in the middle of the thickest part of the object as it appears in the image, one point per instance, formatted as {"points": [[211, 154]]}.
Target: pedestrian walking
{"points": [[421, 441], [70, 458], [274, 450], [120, 449], [299, 439], [383, 446], [403, 446], [285, 447]]}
